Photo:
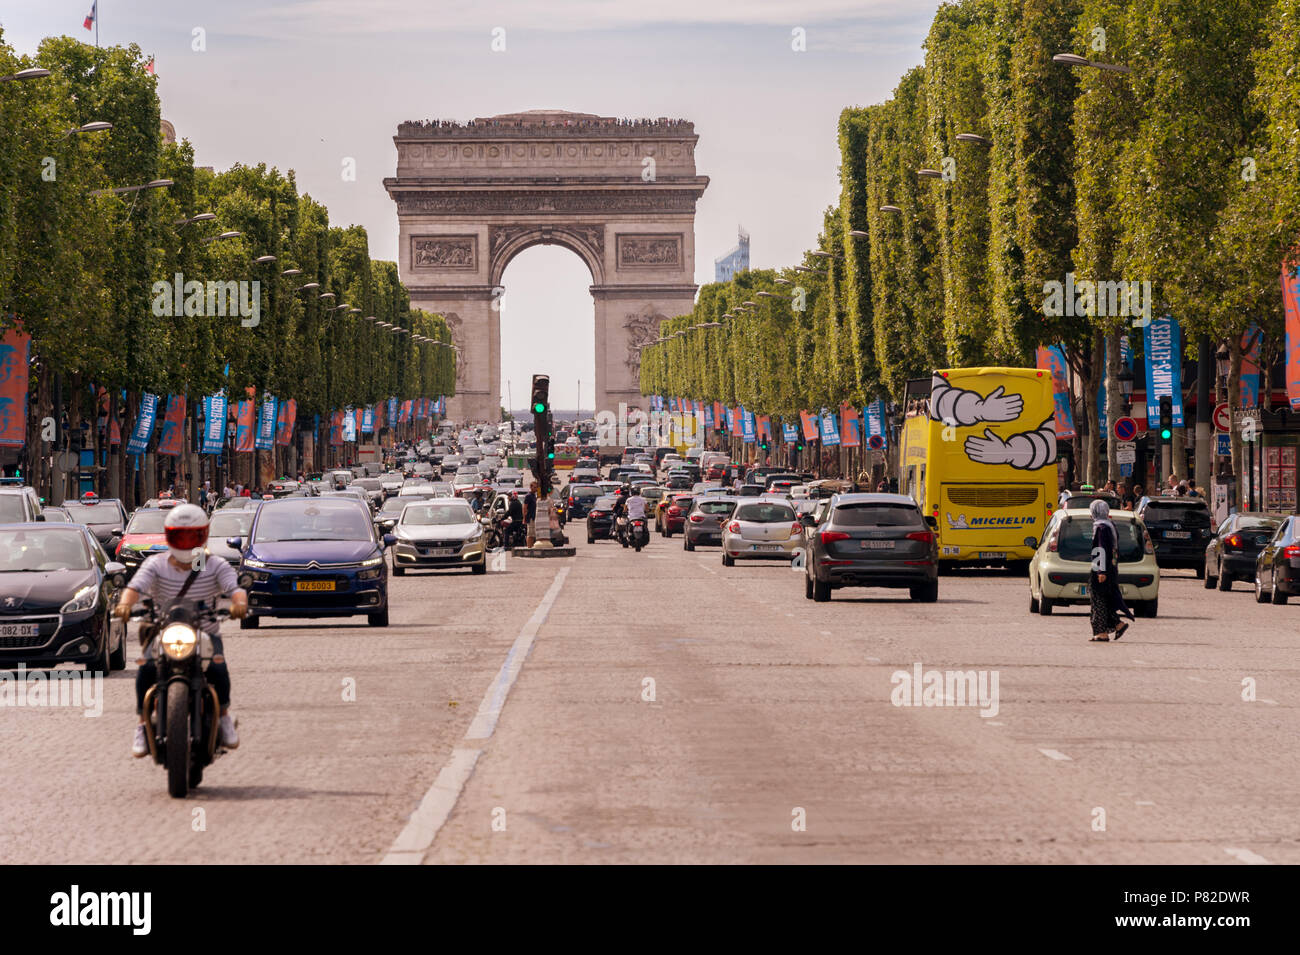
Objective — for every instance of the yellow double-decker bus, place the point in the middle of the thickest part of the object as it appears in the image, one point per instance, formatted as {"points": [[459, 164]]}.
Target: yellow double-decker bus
{"points": [[978, 454]]}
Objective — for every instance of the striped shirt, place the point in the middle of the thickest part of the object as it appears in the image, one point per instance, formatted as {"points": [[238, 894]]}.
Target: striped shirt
{"points": [[159, 580]]}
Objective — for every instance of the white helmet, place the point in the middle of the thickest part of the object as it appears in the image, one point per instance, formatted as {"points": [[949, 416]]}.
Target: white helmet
{"points": [[185, 529]]}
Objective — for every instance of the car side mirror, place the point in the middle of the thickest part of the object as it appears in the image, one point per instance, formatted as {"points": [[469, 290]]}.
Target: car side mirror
{"points": [[116, 572], [932, 521], [235, 543], [390, 540], [40, 517], [116, 532], [807, 520]]}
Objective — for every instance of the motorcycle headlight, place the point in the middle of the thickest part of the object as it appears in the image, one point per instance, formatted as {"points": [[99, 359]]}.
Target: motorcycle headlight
{"points": [[84, 599], [179, 641]]}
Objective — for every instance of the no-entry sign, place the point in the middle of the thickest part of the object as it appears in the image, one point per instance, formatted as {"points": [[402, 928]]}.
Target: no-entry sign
{"points": [[1222, 417], [1126, 429]]}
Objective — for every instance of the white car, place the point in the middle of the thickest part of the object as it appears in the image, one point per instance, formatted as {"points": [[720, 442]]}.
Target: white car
{"points": [[761, 528], [1060, 568]]}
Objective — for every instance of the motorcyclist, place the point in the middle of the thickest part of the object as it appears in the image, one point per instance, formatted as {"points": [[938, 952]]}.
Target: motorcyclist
{"points": [[515, 511], [636, 509], [161, 578]]}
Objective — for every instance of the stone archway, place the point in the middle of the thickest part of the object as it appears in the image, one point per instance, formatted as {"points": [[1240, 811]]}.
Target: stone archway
{"points": [[620, 194]]}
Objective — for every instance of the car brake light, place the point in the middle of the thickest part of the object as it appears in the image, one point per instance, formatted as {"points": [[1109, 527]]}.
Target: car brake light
{"points": [[735, 527], [830, 537], [1051, 541], [1291, 551], [1234, 540], [696, 518], [796, 530], [675, 510], [925, 537]]}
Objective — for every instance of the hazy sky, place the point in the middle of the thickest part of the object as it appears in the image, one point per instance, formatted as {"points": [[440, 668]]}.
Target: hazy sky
{"points": [[304, 84]]}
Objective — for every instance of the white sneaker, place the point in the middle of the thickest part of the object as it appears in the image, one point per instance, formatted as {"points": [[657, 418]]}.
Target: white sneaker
{"points": [[140, 747], [229, 738]]}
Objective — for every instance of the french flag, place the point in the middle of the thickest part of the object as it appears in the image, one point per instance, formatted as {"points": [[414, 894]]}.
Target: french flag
{"points": [[89, 22]]}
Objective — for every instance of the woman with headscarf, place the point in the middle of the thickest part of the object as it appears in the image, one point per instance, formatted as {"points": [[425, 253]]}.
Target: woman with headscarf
{"points": [[1107, 601]]}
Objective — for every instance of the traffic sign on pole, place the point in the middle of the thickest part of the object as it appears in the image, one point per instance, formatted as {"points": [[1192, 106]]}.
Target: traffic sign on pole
{"points": [[1125, 429], [1125, 452], [1222, 417]]}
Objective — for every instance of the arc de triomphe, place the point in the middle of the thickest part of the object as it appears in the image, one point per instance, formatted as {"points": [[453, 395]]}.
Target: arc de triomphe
{"points": [[621, 194]]}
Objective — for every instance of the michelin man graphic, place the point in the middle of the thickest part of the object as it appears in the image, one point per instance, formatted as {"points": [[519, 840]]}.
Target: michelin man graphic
{"points": [[1027, 451], [958, 524]]}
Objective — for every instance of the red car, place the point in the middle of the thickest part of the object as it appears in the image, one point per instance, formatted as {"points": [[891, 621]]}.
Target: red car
{"points": [[673, 516], [143, 536]]}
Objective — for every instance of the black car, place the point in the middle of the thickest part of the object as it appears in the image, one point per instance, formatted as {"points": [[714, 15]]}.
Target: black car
{"points": [[751, 490], [580, 498], [1231, 554], [600, 519], [57, 591], [1277, 568], [1179, 529], [872, 540]]}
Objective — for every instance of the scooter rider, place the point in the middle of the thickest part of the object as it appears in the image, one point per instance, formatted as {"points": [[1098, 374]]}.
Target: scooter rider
{"points": [[161, 578], [635, 509]]}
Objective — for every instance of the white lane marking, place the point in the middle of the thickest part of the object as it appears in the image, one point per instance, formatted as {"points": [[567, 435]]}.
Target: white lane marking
{"points": [[489, 711], [993, 723], [414, 841], [1246, 856], [1055, 754], [1145, 802], [1140, 662], [826, 633], [1196, 679], [436, 806], [873, 659], [657, 556], [1269, 702]]}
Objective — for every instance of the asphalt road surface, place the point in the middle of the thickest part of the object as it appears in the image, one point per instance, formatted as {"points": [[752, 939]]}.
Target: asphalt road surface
{"points": [[658, 707]]}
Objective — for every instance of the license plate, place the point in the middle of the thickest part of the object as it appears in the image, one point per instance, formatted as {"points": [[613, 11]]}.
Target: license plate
{"points": [[313, 585], [438, 552], [20, 629], [991, 555], [1178, 535], [772, 547], [877, 545]]}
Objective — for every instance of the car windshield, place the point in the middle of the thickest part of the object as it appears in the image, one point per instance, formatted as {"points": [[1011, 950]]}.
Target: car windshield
{"points": [[448, 512], [584, 490], [604, 503], [1269, 524], [718, 507], [308, 520], [11, 509], [146, 522], [1181, 512], [368, 484], [91, 514], [230, 525], [764, 513], [877, 515], [23, 550], [1075, 541], [394, 505]]}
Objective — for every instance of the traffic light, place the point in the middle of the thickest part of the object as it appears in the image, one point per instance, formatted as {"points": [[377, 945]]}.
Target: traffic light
{"points": [[1166, 418], [541, 394]]}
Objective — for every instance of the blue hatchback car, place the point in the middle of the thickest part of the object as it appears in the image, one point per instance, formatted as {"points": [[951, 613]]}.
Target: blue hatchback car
{"points": [[314, 557]]}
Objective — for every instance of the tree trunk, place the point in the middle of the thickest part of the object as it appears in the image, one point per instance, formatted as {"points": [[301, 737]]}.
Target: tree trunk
{"points": [[1234, 403], [1114, 403]]}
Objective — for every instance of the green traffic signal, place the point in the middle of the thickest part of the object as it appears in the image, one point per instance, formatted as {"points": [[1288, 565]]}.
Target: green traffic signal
{"points": [[550, 455], [1165, 434], [539, 408]]}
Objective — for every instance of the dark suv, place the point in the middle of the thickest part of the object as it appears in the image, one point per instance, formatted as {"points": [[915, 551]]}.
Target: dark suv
{"points": [[1179, 529], [872, 540]]}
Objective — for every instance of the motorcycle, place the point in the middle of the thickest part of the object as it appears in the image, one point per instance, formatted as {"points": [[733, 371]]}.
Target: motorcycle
{"points": [[632, 532], [183, 709], [561, 511]]}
